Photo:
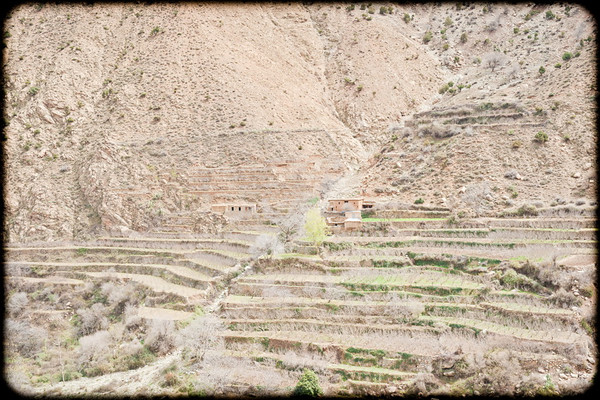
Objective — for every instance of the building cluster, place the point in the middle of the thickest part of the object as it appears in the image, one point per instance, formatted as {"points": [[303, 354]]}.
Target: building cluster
{"points": [[237, 210], [340, 215], [346, 214]]}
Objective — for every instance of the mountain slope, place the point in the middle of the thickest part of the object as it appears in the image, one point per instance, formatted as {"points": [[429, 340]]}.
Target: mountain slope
{"points": [[111, 106]]}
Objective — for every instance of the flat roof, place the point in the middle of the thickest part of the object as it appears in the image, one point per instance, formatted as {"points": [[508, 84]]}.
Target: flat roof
{"points": [[347, 199], [234, 204]]}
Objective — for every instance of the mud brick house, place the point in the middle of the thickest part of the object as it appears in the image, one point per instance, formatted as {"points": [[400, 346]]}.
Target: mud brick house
{"points": [[235, 210], [345, 214]]}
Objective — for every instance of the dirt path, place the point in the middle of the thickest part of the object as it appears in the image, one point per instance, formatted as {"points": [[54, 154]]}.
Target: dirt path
{"points": [[126, 383]]}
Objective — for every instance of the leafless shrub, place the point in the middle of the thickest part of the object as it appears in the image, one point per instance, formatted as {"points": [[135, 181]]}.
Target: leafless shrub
{"points": [[500, 375], [437, 130], [131, 317], [130, 348], [268, 245], [118, 295], [289, 226], [93, 348], [24, 338], [494, 60], [161, 336], [564, 299], [200, 336], [514, 70], [493, 25], [477, 196], [580, 30], [16, 303], [92, 319], [294, 361]]}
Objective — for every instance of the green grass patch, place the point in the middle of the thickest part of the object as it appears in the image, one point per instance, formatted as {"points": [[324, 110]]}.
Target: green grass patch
{"points": [[297, 255], [332, 307], [337, 246], [441, 243], [388, 264]]}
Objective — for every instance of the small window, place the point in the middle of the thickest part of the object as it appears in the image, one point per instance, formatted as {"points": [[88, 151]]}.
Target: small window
{"points": [[232, 208], [239, 208]]}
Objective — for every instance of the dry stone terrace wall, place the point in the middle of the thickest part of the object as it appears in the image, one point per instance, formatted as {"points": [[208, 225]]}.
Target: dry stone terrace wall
{"points": [[487, 136], [382, 314], [112, 143], [366, 315]]}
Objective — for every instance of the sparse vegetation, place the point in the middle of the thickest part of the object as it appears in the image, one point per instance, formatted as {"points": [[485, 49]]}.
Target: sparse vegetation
{"points": [[214, 263], [541, 137], [427, 37]]}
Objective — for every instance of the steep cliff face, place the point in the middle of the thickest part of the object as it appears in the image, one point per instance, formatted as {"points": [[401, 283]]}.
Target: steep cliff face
{"points": [[109, 105]]}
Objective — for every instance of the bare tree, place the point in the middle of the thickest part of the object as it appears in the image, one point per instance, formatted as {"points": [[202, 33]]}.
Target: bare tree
{"points": [[161, 336], [200, 336], [92, 319], [24, 338], [268, 245], [16, 303], [290, 225], [93, 348], [493, 60]]}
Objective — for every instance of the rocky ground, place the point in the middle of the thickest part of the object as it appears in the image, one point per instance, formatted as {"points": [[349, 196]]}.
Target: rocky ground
{"points": [[110, 106], [126, 122]]}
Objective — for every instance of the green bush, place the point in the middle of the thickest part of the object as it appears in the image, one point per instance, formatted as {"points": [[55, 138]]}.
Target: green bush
{"points": [[527, 210], [419, 201], [542, 70], [567, 56], [308, 385], [427, 37], [541, 137]]}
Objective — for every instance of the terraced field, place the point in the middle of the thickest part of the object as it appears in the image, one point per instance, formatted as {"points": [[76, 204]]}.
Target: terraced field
{"points": [[426, 307], [186, 272]]}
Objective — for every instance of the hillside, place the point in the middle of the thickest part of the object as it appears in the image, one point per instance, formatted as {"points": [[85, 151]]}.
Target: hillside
{"points": [[493, 103], [470, 127], [128, 92], [130, 96]]}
